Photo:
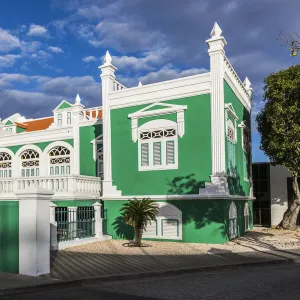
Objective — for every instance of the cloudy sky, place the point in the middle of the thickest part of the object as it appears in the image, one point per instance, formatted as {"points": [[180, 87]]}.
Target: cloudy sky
{"points": [[51, 49]]}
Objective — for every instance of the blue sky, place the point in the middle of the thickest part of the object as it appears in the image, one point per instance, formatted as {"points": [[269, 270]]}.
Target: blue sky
{"points": [[50, 50]]}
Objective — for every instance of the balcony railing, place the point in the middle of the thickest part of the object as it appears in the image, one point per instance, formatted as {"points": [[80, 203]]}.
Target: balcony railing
{"points": [[63, 187]]}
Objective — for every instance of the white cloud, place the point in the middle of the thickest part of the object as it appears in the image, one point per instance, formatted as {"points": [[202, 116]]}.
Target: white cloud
{"points": [[88, 59], [8, 60], [8, 42], [37, 31], [7, 79], [168, 72], [55, 49]]}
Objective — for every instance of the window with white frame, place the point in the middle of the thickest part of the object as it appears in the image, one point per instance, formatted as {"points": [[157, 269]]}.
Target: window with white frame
{"points": [[231, 147], [232, 221], [69, 118], [246, 144], [59, 161], [158, 148], [5, 165], [30, 162], [247, 217], [59, 119], [100, 161], [168, 223]]}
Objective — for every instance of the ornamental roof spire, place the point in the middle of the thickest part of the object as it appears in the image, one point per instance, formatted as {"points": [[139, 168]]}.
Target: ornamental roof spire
{"points": [[78, 100], [140, 84], [216, 31], [247, 83], [107, 58]]}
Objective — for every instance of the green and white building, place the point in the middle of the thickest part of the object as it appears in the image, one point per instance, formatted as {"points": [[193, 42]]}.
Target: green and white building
{"points": [[185, 143]]}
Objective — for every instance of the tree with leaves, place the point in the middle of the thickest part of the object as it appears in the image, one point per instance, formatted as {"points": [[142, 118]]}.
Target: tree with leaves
{"points": [[292, 41], [138, 214], [279, 126]]}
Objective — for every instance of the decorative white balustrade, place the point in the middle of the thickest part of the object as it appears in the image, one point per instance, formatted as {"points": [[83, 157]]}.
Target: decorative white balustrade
{"points": [[118, 86], [64, 187]]}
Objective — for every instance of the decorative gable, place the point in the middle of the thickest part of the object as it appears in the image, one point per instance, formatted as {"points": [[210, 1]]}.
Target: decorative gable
{"points": [[8, 122], [158, 109], [64, 104]]}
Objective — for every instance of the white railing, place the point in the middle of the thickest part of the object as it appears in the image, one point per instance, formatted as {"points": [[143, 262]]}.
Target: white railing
{"points": [[62, 186], [118, 86], [88, 113]]}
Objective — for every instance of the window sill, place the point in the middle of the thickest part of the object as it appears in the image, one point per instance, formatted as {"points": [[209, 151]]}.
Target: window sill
{"points": [[159, 168]]}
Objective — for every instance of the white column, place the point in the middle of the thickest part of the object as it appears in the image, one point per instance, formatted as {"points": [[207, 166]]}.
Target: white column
{"points": [[72, 220], [216, 52], [53, 227], [108, 78], [34, 231], [98, 220]]}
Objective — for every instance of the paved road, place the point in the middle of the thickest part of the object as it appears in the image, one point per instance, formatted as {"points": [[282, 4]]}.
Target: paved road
{"points": [[268, 283]]}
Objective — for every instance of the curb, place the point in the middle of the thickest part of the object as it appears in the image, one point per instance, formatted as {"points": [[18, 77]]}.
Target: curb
{"points": [[99, 279]]}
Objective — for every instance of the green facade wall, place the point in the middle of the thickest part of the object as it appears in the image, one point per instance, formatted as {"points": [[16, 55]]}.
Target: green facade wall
{"points": [[9, 236], [42, 145], [194, 152], [88, 166], [237, 185], [203, 221]]}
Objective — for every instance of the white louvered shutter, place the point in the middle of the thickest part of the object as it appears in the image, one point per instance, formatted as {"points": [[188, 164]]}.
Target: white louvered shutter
{"points": [[145, 154], [157, 153], [170, 152], [151, 230], [170, 228]]}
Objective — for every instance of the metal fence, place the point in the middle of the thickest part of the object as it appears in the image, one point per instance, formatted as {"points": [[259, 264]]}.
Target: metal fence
{"points": [[74, 223]]}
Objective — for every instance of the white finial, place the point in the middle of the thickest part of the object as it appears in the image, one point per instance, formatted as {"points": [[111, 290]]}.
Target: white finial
{"points": [[216, 31], [247, 83], [107, 58], [140, 84], [77, 100]]}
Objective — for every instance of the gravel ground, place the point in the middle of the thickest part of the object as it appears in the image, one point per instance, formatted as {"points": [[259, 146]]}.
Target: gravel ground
{"points": [[265, 239]]}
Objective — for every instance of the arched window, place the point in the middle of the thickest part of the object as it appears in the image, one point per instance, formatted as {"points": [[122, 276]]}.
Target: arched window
{"points": [[5, 165], [246, 217], [59, 161], [231, 141], [59, 119], [30, 162], [232, 221], [100, 162], [69, 118], [158, 145], [168, 223]]}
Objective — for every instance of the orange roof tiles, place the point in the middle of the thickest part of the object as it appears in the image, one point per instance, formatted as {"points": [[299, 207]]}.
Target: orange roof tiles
{"points": [[39, 124]]}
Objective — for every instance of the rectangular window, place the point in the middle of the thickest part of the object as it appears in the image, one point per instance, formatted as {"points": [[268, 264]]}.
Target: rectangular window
{"points": [[245, 163], [157, 153], [9, 129], [27, 172], [37, 172], [231, 156], [9, 173], [62, 170], [151, 230], [1, 174], [170, 153], [57, 170], [51, 171], [32, 172], [68, 170], [170, 228], [69, 118], [5, 173], [23, 173], [59, 119], [145, 154]]}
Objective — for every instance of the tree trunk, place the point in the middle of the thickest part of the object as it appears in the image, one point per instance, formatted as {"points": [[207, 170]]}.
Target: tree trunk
{"points": [[289, 220], [138, 236]]}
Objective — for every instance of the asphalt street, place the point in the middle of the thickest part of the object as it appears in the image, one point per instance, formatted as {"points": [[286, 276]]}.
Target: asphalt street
{"points": [[265, 282]]}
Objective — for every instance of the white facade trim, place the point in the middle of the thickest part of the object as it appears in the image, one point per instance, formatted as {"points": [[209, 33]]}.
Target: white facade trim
{"points": [[98, 140], [48, 135], [178, 197], [162, 91]]}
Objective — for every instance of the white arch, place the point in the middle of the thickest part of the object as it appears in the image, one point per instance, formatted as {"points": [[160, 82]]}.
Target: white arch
{"points": [[8, 151], [168, 210], [57, 144], [158, 124], [232, 211], [246, 209], [16, 161]]}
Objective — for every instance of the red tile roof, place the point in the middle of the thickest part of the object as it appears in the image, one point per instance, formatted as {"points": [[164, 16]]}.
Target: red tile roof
{"points": [[39, 124]]}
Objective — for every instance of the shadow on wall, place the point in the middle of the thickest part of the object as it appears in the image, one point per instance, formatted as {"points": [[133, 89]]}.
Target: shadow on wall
{"points": [[123, 230], [234, 182]]}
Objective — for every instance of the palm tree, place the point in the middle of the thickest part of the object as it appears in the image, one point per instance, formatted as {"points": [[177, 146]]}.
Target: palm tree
{"points": [[138, 213]]}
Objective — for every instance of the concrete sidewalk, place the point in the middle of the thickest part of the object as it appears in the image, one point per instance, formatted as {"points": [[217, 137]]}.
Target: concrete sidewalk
{"points": [[73, 268]]}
